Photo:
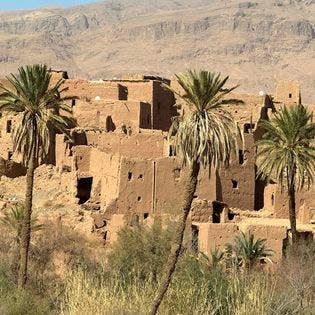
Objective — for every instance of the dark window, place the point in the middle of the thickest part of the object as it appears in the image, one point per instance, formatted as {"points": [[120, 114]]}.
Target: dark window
{"points": [[241, 157], [140, 176], [73, 103], [217, 208], [139, 198], [272, 199], [234, 183], [145, 215], [248, 128], [9, 126], [172, 150], [109, 124], [10, 155], [129, 176], [290, 95]]}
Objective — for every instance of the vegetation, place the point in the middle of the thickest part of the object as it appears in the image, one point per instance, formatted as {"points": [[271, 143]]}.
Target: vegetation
{"points": [[247, 252], [36, 106], [13, 219], [205, 135], [92, 285], [286, 154]]}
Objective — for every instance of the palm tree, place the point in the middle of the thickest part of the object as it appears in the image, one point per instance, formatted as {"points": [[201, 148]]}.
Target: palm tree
{"points": [[206, 135], [13, 219], [247, 251], [36, 105], [286, 153]]}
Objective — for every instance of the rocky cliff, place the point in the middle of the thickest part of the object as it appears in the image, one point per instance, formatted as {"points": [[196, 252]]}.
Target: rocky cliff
{"points": [[255, 42]]}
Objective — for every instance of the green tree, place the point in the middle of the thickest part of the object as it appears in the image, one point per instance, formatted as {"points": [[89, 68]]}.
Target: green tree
{"points": [[205, 135], [286, 153], [36, 106], [247, 251]]}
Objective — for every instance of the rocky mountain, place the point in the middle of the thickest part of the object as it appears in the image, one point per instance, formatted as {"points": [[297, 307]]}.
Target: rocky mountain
{"points": [[255, 42]]}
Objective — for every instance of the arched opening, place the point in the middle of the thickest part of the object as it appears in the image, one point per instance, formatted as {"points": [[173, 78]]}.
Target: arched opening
{"points": [[109, 124]]}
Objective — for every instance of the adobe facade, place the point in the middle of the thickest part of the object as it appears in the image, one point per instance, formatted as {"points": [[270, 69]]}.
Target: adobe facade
{"points": [[121, 166]]}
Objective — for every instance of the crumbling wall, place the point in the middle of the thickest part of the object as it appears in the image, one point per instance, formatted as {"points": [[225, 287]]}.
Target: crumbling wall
{"points": [[105, 170]]}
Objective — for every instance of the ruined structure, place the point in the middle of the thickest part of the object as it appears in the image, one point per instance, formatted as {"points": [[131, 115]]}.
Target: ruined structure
{"points": [[121, 166]]}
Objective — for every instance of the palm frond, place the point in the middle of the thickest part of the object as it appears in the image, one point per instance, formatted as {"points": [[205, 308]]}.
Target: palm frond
{"points": [[207, 133], [37, 106], [286, 153]]}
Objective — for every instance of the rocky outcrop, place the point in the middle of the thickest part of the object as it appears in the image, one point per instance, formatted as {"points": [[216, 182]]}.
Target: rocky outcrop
{"points": [[267, 38]]}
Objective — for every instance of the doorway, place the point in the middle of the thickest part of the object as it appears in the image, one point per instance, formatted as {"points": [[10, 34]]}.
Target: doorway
{"points": [[84, 189]]}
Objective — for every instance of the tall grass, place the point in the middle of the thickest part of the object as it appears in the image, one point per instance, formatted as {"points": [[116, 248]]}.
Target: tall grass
{"points": [[124, 280]]}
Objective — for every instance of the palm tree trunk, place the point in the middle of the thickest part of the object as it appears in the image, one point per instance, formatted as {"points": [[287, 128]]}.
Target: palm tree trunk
{"points": [[178, 239], [26, 227], [292, 215]]}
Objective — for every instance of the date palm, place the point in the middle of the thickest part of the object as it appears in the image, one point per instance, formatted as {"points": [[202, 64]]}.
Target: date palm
{"points": [[205, 135], [36, 106], [247, 251], [286, 153]]}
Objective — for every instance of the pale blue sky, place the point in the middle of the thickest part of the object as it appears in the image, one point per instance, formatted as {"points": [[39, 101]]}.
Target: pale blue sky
{"points": [[31, 4]]}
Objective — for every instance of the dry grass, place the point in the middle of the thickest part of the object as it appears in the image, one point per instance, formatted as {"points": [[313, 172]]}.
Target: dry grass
{"points": [[69, 275]]}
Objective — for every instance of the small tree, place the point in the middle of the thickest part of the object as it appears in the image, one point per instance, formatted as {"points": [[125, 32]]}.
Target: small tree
{"points": [[13, 219], [246, 251], [286, 153]]}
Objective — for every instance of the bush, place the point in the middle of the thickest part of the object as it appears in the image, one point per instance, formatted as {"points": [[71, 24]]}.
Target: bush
{"points": [[140, 253], [14, 302]]}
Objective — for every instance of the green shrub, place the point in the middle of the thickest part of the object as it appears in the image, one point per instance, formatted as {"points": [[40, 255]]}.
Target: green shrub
{"points": [[140, 252]]}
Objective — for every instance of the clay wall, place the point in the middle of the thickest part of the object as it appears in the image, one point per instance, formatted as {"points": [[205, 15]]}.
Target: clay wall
{"points": [[113, 115], [171, 181], [163, 106], [288, 92], [63, 154], [7, 124], [275, 236], [158, 186], [211, 236], [143, 145], [82, 156], [236, 184], [305, 201], [93, 90], [105, 170], [136, 186]]}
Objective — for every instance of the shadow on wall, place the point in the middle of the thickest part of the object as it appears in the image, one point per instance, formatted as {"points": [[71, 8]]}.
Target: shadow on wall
{"points": [[11, 169]]}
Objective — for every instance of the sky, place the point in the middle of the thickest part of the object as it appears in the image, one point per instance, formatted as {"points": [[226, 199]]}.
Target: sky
{"points": [[31, 4]]}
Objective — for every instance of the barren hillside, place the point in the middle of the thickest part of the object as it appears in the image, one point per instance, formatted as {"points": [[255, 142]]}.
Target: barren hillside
{"points": [[255, 42]]}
